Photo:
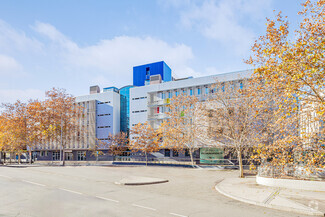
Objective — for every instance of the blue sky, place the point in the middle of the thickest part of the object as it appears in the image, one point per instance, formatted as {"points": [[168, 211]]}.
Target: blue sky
{"points": [[78, 43]]}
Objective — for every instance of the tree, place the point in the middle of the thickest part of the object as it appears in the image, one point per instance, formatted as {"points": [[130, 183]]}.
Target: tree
{"points": [[4, 135], [118, 143], [227, 119], [17, 127], [97, 149], [295, 69], [64, 117], [180, 130], [36, 124], [145, 139]]}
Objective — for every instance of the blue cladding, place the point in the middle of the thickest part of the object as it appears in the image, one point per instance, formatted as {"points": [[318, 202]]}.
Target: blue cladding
{"points": [[167, 73], [142, 73], [104, 120], [125, 108], [110, 88]]}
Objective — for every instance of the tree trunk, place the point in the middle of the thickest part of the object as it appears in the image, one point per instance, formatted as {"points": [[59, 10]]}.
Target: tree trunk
{"points": [[10, 156], [63, 156], [4, 158], [0, 157], [146, 158], [19, 158], [191, 155], [240, 161], [30, 156]]}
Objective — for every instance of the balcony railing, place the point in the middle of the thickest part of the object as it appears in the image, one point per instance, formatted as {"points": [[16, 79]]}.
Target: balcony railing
{"points": [[159, 102], [157, 116]]}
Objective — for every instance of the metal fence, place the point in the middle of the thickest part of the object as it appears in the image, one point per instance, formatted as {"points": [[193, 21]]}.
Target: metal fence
{"points": [[291, 171]]}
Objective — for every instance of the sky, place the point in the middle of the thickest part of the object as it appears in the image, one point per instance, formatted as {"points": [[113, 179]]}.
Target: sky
{"points": [[75, 44]]}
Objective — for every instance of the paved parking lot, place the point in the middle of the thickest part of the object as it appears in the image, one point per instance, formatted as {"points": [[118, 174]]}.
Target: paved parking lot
{"points": [[90, 191]]}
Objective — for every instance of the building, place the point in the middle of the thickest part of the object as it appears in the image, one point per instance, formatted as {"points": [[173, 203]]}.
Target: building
{"points": [[114, 110], [148, 103], [125, 108], [142, 74], [101, 117]]}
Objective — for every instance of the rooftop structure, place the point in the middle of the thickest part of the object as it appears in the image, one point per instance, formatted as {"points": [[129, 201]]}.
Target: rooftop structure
{"points": [[141, 74]]}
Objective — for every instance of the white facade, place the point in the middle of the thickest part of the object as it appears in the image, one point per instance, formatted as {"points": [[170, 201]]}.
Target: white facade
{"points": [[145, 100], [107, 112]]}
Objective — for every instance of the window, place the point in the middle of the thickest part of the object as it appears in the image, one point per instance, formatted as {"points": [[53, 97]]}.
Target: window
{"points": [[167, 153], [206, 90], [81, 155], [100, 103], [162, 96], [187, 153], [176, 93], [102, 139], [69, 156], [169, 94], [184, 92], [175, 153], [56, 155], [199, 91], [139, 111], [191, 92], [241, 85]]}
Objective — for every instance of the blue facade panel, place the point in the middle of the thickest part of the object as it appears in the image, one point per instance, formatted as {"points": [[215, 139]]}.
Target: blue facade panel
{"points": [[142, 73], [167, 72], [125, 108], [104, 120]]}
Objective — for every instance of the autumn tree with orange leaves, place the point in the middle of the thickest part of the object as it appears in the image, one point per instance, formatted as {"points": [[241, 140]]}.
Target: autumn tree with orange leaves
{"points": [[292, 69], [179, 131], [118, 143], [64, 117], [26, 126], [145, 139], [5, 136], [227, 120]]}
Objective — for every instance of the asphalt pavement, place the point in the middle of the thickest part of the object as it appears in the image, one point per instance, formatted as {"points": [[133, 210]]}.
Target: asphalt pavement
{"points": [[91, 191]]}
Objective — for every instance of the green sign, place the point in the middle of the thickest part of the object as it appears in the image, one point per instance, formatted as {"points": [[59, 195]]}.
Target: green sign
{"points": [[211, 156]]}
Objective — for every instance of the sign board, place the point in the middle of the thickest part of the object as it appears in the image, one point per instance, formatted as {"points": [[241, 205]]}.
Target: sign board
{"points": [[211, 156]]}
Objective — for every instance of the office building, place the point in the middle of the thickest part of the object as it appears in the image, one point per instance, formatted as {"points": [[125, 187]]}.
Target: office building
{"points": [[113, 110]]}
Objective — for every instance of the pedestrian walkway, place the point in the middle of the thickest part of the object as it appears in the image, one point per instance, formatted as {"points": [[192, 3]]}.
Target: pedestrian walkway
{"points": [[299, 201]]}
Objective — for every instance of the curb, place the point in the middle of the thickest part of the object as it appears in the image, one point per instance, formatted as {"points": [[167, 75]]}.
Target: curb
{"points": [[151, 164], [141, 183], [311, 212]]}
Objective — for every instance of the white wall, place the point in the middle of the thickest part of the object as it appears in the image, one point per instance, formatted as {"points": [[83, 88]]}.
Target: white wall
{"points": [[140, 92], [111, 105]]}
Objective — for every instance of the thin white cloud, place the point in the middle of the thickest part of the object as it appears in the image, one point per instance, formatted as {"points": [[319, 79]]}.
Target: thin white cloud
{"points": [[114, 58], [14, 40], [53, 34], [10, 67], [226, 21], [11, 95], [52, 53]]}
